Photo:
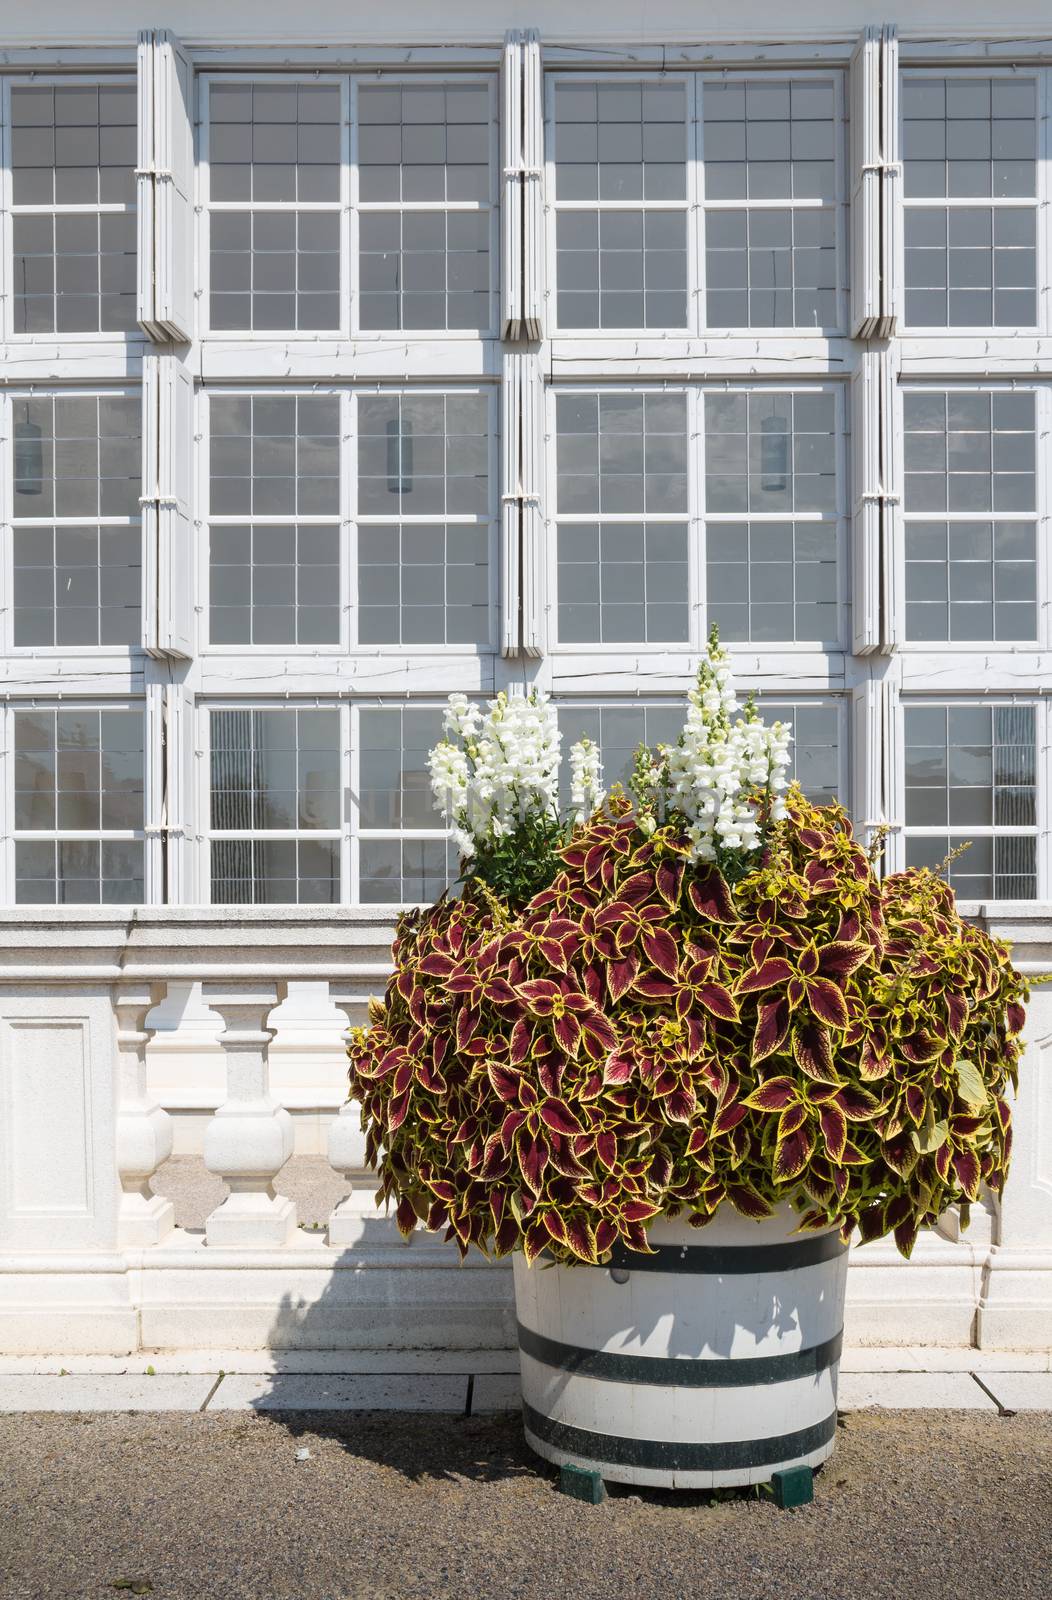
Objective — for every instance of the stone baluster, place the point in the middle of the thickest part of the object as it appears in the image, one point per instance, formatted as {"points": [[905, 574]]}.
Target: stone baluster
{"points": [[144, 1129], [250, 1138], [355, 1217]]}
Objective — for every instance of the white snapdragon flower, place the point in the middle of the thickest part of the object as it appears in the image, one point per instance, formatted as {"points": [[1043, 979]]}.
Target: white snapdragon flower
{"points": [[586, 779], [724, 755], [504, 769]]}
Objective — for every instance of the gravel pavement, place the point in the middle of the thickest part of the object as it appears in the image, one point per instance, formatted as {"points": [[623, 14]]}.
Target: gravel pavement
{"points": [[929, 1505]]}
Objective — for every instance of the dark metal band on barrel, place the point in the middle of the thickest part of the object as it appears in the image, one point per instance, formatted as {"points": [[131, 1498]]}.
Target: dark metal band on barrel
{"points": [[667, 1456], [725, 1260], [679, 1372]]}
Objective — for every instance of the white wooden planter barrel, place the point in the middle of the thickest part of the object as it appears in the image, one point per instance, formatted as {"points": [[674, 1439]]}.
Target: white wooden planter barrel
{"points": [[713, 1362]]}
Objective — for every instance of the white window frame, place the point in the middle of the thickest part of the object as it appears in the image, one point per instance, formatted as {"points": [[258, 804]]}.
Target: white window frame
{"points": [[8, 211], [390, 80], [348, 207], [348, 520], [695, 517], [13, 835], [1041, 517], [697, 207], [9, 399], [339, 518], [208, 206], [1040, 203], [930, 697], [349, 831]]}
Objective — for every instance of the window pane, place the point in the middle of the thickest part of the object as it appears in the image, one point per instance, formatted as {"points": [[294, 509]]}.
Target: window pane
{"points": [[275, 769], [275, 582], [77, 456], [773, 141], [771, 578], [971, 769], [405, 871], [970, 139], [82, 771], [394, 788], [971, 576], [423, 582], [75, 144], [618, 265], [622, 581], [275, 871], [424, 146]]}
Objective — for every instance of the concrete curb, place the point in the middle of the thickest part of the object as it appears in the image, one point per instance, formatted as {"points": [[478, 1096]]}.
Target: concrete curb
{"points": [[954, 1387]]}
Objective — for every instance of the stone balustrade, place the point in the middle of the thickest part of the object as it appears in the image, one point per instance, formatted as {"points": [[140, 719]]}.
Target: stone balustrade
{"points": [[91, 1259]]}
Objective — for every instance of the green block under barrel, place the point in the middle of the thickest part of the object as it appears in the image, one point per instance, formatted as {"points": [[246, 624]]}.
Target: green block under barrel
{"points": [[794, 1487], [580, 1484]]}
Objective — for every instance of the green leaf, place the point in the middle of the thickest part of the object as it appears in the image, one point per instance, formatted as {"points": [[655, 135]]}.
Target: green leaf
{"points": [[970, 1084], [932, 1136]]}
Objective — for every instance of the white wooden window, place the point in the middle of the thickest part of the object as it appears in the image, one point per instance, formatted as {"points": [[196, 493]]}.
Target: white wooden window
{"points": [[771, 151], [970, 778], [758, 158], [621, 171], [970, 514], [772, 507], [664, 526], [72, 206], [340, 205], [74, 467], [78, 786], [275, 184], [426, 519], [970, 160], [425, 175], [325, 803], [622, 487], [419, 480], [275, 805], [274, 519]]}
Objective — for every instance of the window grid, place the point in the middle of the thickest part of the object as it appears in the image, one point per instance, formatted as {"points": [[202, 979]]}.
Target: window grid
{"points": [[75, 478], [753, 541], [626, 248], [972, 146], [773, 497], [768, 244], [71, 203], [404, 240], [276, 509], [274, 253], [322, 802], [621, 494], [77, 797], [771, 160], [349, 864], [970, 514], [971, 779], [423, 568], [401, 852]]}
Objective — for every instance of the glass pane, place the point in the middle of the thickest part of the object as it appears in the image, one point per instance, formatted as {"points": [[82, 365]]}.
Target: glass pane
{"points": [[73, 144]]}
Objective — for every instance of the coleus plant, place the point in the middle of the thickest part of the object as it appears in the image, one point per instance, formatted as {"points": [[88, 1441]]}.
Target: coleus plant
{"points": [[643, 1038]]}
